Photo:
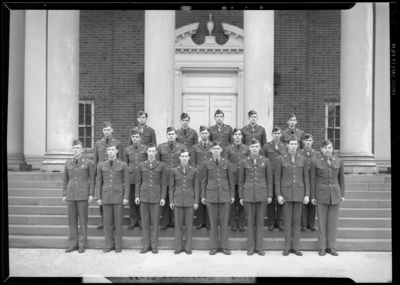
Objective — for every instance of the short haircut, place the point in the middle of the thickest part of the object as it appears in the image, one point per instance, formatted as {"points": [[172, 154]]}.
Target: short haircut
{"points": [[276, 129], [307, 136], [292, 116], [204, 128], [112, 144], [254, 141], [292, 138], [325, 143], [235, 130], [251, 113], [107, 124], [171, 129], [141, 113], [184, 116], [184, 150], [219, 112], [151, 145], [215, 143], [77, 142]]}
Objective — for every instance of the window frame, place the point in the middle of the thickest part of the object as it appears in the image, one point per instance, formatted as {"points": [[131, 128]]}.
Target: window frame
{"points": [[327, 104], [87, 102]]}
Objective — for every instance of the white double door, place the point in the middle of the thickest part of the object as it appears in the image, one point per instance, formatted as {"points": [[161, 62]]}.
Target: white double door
{"points": [[201, 109]]}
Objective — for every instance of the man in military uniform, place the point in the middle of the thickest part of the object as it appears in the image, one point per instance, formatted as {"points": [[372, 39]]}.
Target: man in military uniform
{"points": [[78, 190], [272, 150], [221, 132], [202, 153], [135, 153], [292, 130], [112, 191], [168, 154], [152, 181], [253, 131], [218, 192], [235, 153], [327, 192], [148, 134], [309, 210], [292, 189], [184, 199], [100, 154], [255, 189], [186, 135]]}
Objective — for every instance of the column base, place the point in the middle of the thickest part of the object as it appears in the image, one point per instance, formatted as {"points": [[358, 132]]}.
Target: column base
{"points": [[384, 165], [359, 163], [16, 162], [34, 161], [55, 161]]}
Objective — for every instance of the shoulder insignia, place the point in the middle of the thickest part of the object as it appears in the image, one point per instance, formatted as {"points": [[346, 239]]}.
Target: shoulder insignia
{"points": [[285, 155]]}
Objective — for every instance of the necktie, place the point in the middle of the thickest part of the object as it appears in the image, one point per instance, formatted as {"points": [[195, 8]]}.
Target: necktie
{"points": [[329, 161], [184, 169], [141, 130], [184, 133], [136, 147], [171, 145], [293, 159], [151, 164], [276, 146], [216, 161], [308, 153], [205, 145], [238, 146], [107, 140], [255, 161], [111, 163], [219, 128], [76, 161]]}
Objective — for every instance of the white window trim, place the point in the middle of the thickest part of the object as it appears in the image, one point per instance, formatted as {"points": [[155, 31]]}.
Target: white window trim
{"points": [[326, 118], [91, 102]]}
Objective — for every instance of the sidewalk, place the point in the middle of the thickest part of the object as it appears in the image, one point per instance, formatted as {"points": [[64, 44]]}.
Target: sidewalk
{"points": [[359, 266]]}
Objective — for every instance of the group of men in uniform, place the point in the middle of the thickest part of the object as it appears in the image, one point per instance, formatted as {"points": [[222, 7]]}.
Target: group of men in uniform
{"points": [[229, 174]]}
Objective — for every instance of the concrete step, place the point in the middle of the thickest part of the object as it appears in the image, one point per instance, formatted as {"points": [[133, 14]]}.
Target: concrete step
{"points": [[62, 230], [359, 178], [199, 243], [36, 184], [366, 203], [376, 195], [51, 210], [368, 187], [25, 192], [35, 176], [365, 213]]}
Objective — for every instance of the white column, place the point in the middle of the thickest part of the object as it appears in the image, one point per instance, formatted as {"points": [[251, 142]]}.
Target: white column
{"points": [[382, 88], [159, 76], [15, 124], [62, 87], [356, 68], [259, 67], [35, 87]]}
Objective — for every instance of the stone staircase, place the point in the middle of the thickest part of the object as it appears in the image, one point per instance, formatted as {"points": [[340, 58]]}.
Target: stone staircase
{"points": [[38, 218]]}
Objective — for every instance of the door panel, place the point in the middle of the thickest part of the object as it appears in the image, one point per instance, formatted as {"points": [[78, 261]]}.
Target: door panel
{"points": [[227, 104]]}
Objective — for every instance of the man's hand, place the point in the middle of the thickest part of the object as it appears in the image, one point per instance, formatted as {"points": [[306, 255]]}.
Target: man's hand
{"points": [[64, 199], [125, 202], [195, 206], [99, 202], [314, 202], [342, 199], [203, 201], [281, 200], [162, 202], [306, 200], [269, 200], [241, 201], [137, 201], [90, 199], [232, 200], [172, 206]]}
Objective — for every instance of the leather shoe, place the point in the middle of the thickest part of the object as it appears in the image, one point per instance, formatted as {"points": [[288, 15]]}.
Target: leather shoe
{"points": [[100, 226], [313, 229], [225, 251], [303, 228], [281, 228], [261, 252], [178, 251], [285, 253], [250, 252], [118, 250], [241, 228], [298, 253], [334, 252], [140, 226], [322, 252], [144, 250], [208, 226], [213, 251], [71, 249], [188, 252], [271, 227], [131, 226], [163, 227], [234, 228], [154, 250], [108, 249], [199, 226], [81, 250]]}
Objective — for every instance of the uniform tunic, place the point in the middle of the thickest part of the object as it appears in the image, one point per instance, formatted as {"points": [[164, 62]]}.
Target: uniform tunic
{"points": [[189, 140], [257, 133], [148, 134], [222, 134], [298, 133]]}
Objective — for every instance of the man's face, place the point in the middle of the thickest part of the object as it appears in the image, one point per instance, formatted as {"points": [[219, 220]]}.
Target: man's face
{"points": [[216, 151], [255, 149], [184, 157], [77, 150], [204, 135], [308, 142], [185, 122], [327, 150], [253, 119], [107, 132], [171, 136], [112, 152], [237, 137], [292, 145], [219, 118], [141, 119], [151, 153], [277, 135], [135, 138], [292, 122]]}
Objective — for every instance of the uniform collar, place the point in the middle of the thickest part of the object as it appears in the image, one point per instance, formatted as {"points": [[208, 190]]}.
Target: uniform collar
{"points": [[255, 126]]}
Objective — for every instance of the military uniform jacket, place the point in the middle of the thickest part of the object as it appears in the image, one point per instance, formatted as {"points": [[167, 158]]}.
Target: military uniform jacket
{"points": [[133, 157], [201, 154], [292, 179], [148, 135], [257, 133], [78, 179], [184, 188], [112, 183], [100, 150], [327, 181], [235, 156], [255, 180], [152, 182], [217, 182], [272, 153], [222, 135], [170, 158], [189, 140], [298, 133], [310, 155]]}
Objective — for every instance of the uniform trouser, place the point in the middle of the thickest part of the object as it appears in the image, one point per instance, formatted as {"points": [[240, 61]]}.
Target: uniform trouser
{"points": [[181, 214], [150, 213], [77, 210], [202, 215], [113, 217], [101, 214], [220, 210], [275, 212], [292, 213], [167, 216], [237, 216], [327, 225], [134, 209], [308, 215], [255, 224]]}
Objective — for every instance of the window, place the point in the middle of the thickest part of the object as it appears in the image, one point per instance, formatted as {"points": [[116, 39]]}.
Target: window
{"points": [[86, 122], [332, 124]]}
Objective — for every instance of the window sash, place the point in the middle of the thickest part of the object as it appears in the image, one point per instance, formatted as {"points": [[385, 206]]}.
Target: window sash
{"points": [[88, 123], [332, 124]]}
